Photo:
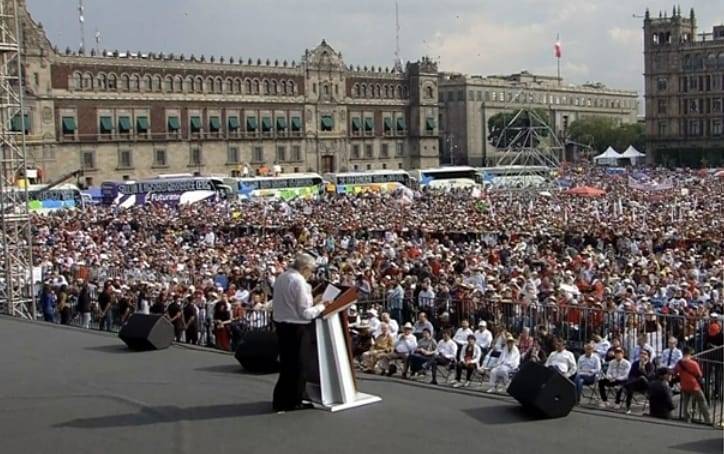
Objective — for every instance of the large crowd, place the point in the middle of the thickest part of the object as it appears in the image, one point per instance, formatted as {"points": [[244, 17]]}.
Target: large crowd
{"points": [[544, 264]]}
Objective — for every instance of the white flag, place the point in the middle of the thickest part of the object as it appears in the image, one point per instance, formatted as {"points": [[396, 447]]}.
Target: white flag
{"points": [[81, 18]]}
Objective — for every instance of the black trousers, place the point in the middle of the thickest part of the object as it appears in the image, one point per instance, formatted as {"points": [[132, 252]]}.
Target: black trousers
{"points": [[289, 389]]}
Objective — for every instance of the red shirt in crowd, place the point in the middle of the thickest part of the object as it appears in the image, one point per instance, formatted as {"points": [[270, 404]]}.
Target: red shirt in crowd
{"points": [[689, 374]]}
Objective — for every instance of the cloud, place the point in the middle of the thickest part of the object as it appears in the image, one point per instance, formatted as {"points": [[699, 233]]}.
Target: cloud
{"points": [[625, 36]]}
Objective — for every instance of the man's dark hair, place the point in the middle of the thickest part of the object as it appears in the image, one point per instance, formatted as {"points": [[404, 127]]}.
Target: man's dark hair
{"points": [[687, 350]]}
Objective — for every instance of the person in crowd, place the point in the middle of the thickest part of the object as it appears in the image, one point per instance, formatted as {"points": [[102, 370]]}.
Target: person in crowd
{"points": [[48, 303], [690, 377], [661, 400], [392, 324], [562, 360], [643, 345], [383, 344], [174, 314], [64, 309], [462, 334], [105, 305], [507, 363], [638, 378], [483, 337], [222, 319], [84, 304], [405, 345], [671, 356], [424, 353], [601, 346], [525, 341], [469, 356], [125, 308], [423, 323], [589, 367], [445, 354], [617, 375], [190, 317]]}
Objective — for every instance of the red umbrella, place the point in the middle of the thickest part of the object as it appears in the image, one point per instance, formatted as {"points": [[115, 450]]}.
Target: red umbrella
{"points": [[586, 191]]}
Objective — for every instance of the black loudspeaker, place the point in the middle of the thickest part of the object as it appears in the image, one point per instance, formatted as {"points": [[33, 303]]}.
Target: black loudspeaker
{"points": [[543, 390], [258, 351], [147, 332]]}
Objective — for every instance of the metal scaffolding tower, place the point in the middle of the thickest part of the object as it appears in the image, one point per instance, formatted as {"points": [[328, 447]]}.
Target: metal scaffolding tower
{"points": [[16, 295]]}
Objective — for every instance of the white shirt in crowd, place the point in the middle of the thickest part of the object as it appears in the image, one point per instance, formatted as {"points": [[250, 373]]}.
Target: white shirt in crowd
{"points": [[483, 338], [509, 358], [602, 347], [447, 349], [293, 301], [589, 365], [461, 335], [618, 370], [375, 326], [426, 298], [564, 361], [394, 327], [406, 344]]}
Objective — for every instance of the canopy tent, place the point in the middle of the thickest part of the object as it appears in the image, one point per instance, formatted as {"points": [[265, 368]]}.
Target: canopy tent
{"points": [[586, 191], [719, 174], [609, 157], [632, 154]]}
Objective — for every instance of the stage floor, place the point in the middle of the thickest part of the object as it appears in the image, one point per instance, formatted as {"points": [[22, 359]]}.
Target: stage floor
{"points": [[64, 390]]}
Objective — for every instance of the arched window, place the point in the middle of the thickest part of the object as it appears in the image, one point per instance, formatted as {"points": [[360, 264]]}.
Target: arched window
{"points": [[256, 87], [168, 84], [178, 84], [135, 82], [387, 91], [355, 90], [157, 84], [147, 83], [87, 81], [430, 92], [125, 82], [378, 91], [218, 85], [325, 89], [112, 82], [292, 87], [237, 86], [266, 87], [364, 90], [77, 81], [198, 85], [101, 82], [229, 86], [283, 87], [274, 87], [399, 91], [247, 86]]}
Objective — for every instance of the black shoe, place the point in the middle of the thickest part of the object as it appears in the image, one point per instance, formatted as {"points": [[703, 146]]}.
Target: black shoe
{"points": [[304, 406], [433, 382]]}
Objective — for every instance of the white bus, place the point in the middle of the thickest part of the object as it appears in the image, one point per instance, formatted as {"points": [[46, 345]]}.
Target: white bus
{"points": [[287, 186], [369, 181], [63, 196], [447, 177], [515, 176]]}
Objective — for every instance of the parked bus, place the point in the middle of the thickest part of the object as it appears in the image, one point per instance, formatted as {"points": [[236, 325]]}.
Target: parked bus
{"points": [[515, 176], [170, 191], [42, 201], [282, 187], [370, 181], [447, 177]]}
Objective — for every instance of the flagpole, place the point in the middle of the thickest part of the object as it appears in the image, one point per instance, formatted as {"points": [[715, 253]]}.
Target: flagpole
{"points": [[558, 57]]}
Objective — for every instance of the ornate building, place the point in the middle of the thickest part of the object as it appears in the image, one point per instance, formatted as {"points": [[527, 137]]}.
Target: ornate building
{"points": [[467, 103], [128, 115], [684, 75]]}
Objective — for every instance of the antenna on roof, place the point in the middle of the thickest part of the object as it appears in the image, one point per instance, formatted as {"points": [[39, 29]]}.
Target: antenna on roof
{"points": [[398, 60]]}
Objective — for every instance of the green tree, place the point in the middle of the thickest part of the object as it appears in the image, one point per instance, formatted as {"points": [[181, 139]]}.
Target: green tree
{"points": [[503, 130], [603, 132]]}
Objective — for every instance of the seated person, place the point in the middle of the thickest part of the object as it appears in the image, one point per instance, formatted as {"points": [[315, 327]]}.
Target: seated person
{"points": [[589, 366], [508, 362], [562, 360], [468, 358], [616, 375], [661, 401], [601, 346], [671, 355], [382, 345], [405, 345], [638, 379], [445, 355], [426, 348], [462, 334]]}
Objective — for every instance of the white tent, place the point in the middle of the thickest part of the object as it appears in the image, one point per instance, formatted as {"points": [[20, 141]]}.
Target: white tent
{"points": [[609, 157], [633, 154]]}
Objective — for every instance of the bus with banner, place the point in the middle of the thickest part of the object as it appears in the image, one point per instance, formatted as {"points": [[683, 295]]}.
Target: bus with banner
{"points": [[369, 181], [167, 191], [60, 197], [446, 178], [286, 187], [515, 176]]}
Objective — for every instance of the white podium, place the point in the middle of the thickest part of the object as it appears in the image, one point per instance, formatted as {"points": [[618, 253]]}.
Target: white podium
{"points": [[336, 389]]}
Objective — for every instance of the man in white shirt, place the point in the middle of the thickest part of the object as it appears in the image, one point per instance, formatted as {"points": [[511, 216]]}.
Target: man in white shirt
{"points": [[508, 362], [405, 345], [461, 335], [483, 337], [601, 346], [616, 375], [671, 355], [374, 323], [392, 325], [445, 355], [589, 366], [562, 360], [294, 309], [426, 298]]}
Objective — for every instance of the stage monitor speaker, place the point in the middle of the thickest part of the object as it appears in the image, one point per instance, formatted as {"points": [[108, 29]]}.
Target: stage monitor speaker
{"points": [[543, 390], [258, 351], [147, 332]]}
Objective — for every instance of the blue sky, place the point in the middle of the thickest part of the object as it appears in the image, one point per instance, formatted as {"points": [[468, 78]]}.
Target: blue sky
{"points": [[602, 41]]}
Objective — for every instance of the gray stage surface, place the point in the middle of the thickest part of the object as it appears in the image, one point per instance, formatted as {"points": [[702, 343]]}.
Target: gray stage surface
{"points": [[69, 391]]}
